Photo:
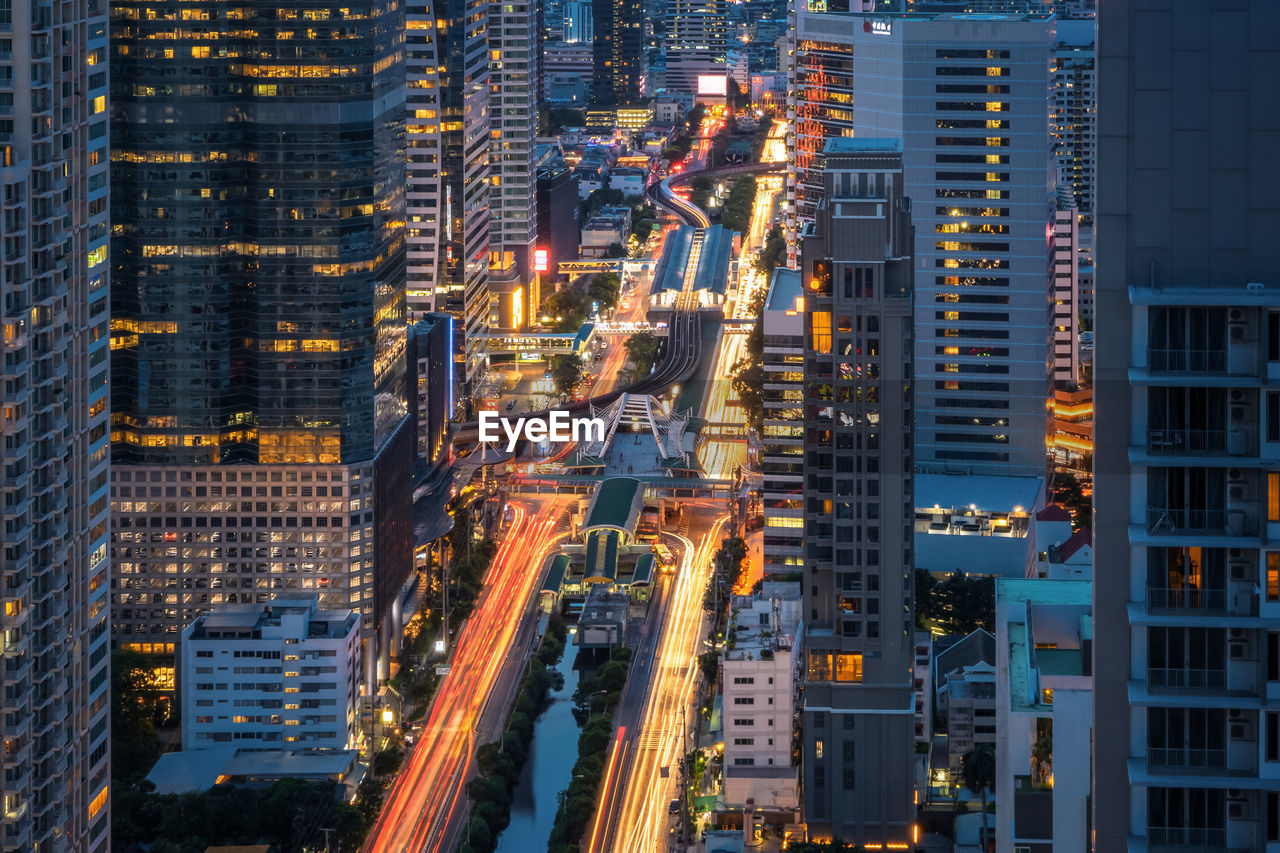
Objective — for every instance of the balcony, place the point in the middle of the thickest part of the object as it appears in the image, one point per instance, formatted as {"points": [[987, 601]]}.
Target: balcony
{"points": [[1185, 759], [1187, 360], [1188, 839], [1181, 441], [1187, 599], [1171, 520], [1188, 679]]}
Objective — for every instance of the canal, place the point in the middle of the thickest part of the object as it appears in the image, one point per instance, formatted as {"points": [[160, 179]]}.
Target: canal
{"points": [[546, 773]]}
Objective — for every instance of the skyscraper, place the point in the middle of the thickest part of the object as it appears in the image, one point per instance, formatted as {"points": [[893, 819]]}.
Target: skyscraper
{"points": [[447, 186], [513, 154], [1187, 431], [968, 95], [859, 699], [1074, 112], [53, 225], [259, 400], [618, 46]]}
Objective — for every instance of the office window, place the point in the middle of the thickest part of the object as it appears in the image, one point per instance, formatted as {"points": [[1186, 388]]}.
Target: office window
{"points": [[1273, 735], [1273, 336], [1273, 810], [1273, 576], [1273, 656], [1273, 496]]}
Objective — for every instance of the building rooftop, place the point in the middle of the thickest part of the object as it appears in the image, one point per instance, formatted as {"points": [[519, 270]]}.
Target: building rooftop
{"points": [[1044, 591], [248, 620], [555, 574], [192, 770], [784, 290], [616, 505], [985, 494]]}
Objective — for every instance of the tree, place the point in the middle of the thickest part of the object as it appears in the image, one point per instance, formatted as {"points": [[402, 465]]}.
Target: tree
{"points": [[1042, 749], [604, 290], [642, 349], [978, 770], [773, 253], [560, 117], [1068, 492], [616, 250], [566, 372]]}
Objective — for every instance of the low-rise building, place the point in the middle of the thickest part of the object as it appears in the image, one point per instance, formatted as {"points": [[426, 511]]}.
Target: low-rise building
{"points": [[759, 676], [190, 771], [964, 692], [924, 687], [1044, 704], [280, 675], [610, 226], [978, 525], [627, 180]]}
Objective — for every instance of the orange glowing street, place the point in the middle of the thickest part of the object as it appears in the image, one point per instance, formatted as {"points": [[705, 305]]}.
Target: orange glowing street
{"points": [[428, 802]]}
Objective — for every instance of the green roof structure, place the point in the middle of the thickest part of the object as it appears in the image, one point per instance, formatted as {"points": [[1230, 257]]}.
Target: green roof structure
{"points": [[555, 575], [602, 557], [616, 506], [643, 573]]}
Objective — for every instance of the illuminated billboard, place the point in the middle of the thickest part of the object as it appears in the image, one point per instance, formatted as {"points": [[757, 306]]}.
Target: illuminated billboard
{"points": [[540, 260], [714, 85]]}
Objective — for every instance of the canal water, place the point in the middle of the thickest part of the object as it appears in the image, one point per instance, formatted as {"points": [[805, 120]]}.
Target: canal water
{"points": [[547, 772]]}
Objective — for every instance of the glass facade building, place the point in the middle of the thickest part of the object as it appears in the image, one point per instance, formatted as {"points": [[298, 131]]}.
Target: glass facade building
{"points": [[258, 332]]}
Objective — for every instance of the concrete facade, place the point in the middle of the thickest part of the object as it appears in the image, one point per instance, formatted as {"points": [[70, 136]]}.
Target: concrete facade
{"points": [[859, 700], [1187, 746]]}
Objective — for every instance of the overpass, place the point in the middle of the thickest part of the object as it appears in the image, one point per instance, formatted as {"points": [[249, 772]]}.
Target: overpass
{"points": [[661, 193], [614, 265], [655, 485]]}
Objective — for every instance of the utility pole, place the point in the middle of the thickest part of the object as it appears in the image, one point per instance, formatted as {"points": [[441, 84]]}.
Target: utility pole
{"points": [[328, 844]]}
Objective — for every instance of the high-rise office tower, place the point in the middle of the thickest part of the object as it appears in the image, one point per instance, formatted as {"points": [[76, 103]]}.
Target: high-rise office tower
{"points": [[53, 415], [513, 153], [1073, 117], [697, 32], [259, 403], [1186, 741], [859, 699], [618, 45], [447, 185], [968, 95]]}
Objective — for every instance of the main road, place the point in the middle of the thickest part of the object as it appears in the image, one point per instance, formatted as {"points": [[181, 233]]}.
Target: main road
{"points": [[425, 810], [643, 766]]}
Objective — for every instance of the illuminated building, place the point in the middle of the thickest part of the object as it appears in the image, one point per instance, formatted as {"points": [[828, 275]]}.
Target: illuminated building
{"points": [[260, 428], [695, 43], [1074, 113], [859, 636], [513, 155], [578, 25], [301, 690], [782, 443], [447, 186], [618, 45], [1186, 599], [969, 97], [53, 415]]}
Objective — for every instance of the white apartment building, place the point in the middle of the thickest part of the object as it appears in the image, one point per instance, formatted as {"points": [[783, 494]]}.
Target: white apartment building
{"points": [[969, 97], [1044, 730], [759, 677], [279, 675]]}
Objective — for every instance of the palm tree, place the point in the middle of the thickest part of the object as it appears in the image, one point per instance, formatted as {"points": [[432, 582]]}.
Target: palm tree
{"points": [[978, 769]]}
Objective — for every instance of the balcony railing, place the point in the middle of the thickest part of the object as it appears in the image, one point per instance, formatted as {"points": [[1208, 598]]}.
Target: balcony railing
{"points": [[1169, 520], [1183, 598], [1204, 680], [1185, 759], [1187, 441], [1187, 836], [1187, 360]]}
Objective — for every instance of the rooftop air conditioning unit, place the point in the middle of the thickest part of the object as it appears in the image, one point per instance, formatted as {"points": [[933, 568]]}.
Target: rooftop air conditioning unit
{"points": [[1236, 315], [1237, 395]]}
